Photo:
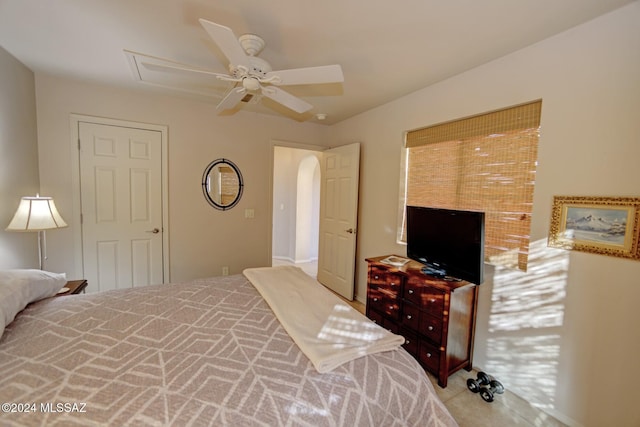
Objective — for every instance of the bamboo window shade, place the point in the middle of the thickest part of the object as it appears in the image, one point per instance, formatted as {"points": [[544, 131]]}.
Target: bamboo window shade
{"points": [[482, 163], [228, 185]]}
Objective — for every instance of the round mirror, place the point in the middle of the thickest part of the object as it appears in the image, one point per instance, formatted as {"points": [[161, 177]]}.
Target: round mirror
{"points": [[222, 184]]}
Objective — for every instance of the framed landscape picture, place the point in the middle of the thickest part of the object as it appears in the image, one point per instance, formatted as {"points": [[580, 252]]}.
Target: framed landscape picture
{"points": [[602, 225]]}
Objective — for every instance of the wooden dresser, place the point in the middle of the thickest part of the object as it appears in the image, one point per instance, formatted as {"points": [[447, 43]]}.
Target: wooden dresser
{"points": [[435, 316]]}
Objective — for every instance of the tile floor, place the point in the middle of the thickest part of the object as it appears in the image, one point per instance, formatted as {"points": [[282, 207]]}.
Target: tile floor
{"points": [[507, 410], [468, 409]]}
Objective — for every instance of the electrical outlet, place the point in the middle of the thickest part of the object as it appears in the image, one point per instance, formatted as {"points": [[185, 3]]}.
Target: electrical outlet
{"points": [[225, 271]]}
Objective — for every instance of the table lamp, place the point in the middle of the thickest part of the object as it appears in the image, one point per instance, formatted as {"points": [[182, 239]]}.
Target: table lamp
{"points": [[37, 214]]}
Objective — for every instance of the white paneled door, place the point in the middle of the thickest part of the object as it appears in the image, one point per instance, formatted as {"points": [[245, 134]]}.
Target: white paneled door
{"points": [[121, 205], [338, 218]]}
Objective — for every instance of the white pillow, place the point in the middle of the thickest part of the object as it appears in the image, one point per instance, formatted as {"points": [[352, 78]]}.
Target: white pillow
{"points": [[21, 287]]}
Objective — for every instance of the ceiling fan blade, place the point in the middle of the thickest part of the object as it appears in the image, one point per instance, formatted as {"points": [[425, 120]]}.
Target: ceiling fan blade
{"points": [[183, 70], [311, 75], [227, 42], [234, 96], [286, 99]]}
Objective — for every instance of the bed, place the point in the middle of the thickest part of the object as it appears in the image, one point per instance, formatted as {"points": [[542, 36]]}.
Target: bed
{"points": [[206, 352]]}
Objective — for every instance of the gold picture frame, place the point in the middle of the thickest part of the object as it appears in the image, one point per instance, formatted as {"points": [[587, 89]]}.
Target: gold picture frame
{"points": [[601, 225]]}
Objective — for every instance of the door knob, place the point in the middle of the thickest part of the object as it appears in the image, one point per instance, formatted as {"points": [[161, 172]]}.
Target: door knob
{"points": [[154, 231], [350, 231]]}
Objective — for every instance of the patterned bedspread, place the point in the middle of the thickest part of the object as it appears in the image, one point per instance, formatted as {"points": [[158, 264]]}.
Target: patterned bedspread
{"points": [[208, 352]]}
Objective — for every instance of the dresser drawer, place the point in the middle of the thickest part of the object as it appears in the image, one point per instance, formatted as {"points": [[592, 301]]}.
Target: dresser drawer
{"points": [[411, 316], [426, 297], [375, 317], [430, 357], [431, 327], [432, 300], [391, 282], [413, 292], [410, 342], [382, 302], [391, 326], [378, 319], [377, 276]]}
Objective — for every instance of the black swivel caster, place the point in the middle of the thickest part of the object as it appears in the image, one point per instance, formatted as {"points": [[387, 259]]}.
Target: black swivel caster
{"points": [[495, 387], [475, 384]]}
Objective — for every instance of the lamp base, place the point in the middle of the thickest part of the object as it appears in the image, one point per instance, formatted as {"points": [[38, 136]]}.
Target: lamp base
{"points": [[42, 248]]}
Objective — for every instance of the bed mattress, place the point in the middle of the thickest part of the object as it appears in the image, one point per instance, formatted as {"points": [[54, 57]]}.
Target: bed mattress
{"points": [[207, 352]]}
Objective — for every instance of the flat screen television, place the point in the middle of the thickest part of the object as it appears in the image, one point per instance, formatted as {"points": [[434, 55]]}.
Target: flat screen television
{"points": [[449, 242]]}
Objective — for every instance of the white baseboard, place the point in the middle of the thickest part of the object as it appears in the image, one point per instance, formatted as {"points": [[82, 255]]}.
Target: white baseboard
{"points": [[293, 261]]}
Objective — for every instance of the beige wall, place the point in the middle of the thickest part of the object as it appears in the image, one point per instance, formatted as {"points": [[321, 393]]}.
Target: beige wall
{"points": [[18, 159], [565, 334], [202, 240]]}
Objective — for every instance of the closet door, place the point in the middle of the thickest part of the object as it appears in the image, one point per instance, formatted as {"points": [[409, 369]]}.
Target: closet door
{"points": [[121, 205]]}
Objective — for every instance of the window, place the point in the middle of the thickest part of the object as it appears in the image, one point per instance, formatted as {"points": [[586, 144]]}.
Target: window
{"points": [[483, 163]]}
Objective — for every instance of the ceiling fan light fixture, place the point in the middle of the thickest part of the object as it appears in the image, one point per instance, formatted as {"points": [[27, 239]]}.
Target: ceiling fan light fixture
{"points": [[250, 83]]}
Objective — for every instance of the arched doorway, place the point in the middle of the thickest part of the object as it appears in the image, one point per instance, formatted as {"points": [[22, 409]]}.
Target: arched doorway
{"points": [[296, 207]]}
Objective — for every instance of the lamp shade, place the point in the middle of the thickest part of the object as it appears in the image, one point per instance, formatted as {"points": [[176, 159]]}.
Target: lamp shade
{"points": [[36, 214]]}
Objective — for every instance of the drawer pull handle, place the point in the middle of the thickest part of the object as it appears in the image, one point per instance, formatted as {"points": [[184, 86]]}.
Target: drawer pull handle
{"points": [[432, 300], [428, 355], [407, 342], [375, 299], [410, 291], [430, 328], [376, 277], [408, 317], [391, 308], [393, 284]]}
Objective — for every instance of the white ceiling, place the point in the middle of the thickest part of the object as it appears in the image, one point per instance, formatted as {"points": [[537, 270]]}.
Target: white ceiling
{"points": [[386, 48]]}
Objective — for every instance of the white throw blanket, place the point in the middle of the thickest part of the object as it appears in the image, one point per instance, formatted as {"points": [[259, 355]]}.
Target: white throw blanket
{"points": [[328, 331]]}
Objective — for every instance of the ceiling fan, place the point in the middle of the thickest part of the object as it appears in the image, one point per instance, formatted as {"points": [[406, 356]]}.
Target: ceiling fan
{"points": [[253, 76]]}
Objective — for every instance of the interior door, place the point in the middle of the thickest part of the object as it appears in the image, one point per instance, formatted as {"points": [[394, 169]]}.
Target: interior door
{"points": [[121, 205], [338, 218]]}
